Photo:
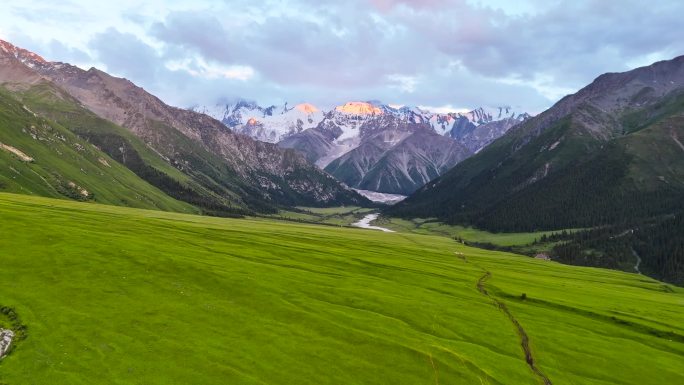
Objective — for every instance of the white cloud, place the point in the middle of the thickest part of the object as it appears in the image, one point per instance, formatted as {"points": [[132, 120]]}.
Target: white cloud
{"points": [[198, 67], [543, 84], [465, 53], [445, 109], [648, 59], [403, 83]]}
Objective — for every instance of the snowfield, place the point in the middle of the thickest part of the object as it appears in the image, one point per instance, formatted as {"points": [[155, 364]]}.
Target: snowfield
{"points": [[379, 197]]}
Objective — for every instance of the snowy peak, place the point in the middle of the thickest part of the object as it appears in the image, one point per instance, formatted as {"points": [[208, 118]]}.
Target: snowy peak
{"points": [[359, 108], [345, 124], [25, 56], [246, 104], [482, 115], [306, 108], [267, 124], [446, 123]]}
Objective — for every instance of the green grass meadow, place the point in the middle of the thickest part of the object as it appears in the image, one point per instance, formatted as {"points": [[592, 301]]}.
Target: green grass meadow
{"points": [[338, 216], [114, 295], [468, 234]]}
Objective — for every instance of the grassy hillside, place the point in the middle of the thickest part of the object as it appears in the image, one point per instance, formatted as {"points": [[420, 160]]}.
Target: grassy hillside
{"points": [[199, 188], [41, 157], [113, 295]]}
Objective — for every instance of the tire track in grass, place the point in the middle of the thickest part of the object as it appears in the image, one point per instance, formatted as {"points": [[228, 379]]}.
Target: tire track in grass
{"points": [[524, 338], [434, 367]]}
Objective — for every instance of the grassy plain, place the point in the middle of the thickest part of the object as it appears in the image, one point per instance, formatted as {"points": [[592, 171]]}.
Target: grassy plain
{"points": [[114, 295]]}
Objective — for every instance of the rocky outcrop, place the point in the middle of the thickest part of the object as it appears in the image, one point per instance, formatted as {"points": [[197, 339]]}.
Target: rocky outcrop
{"points": [[6, 337]]}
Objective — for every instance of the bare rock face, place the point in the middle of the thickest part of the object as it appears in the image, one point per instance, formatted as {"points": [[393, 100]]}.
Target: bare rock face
{"points": [[476, 137], [193, 142]]}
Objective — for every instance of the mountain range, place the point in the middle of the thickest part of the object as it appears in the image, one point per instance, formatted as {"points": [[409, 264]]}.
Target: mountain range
{"points": [[156, 148], [370, 145]]}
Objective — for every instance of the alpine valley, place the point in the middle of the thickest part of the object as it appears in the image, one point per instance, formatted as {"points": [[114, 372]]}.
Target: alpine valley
{"points": [[341, 240]]}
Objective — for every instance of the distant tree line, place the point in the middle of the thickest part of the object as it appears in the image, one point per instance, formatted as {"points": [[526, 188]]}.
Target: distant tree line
{"points": [[659, 243]]}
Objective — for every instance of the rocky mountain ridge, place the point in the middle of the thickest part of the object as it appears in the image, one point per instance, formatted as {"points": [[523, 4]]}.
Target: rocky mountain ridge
{"points": [[354, 141], [474, 129]]}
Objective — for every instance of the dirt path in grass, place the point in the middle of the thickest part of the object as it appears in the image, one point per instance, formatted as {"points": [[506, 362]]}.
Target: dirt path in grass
{"points": [[524, 338], [6, 337]]}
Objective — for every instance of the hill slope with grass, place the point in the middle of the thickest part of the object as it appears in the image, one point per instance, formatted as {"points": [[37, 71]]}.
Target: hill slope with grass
{"points": [[117, 295], [49, 101], [39, 156]]}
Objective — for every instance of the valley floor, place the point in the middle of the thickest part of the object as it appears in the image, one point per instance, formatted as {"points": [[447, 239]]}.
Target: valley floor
{"points": [[113, 295]]}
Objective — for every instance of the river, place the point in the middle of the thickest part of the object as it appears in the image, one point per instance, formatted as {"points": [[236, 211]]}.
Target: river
{"points": [[365, 223]]}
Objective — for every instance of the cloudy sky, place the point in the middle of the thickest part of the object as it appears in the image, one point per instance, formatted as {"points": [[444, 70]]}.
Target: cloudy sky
{"points": [[455, 54]]}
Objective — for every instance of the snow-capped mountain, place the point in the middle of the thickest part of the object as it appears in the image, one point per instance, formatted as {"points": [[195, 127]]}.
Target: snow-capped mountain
{"points": [[371, 145], [275, 123], [343, 127], [377, 147], [443, 123], [267, 124], [474, 129], [477, 131]]}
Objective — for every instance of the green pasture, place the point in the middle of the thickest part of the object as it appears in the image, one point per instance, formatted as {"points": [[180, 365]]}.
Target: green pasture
{"points": [[114, 295]]}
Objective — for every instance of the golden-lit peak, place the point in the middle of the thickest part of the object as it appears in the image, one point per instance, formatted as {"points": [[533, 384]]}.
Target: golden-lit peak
{"points": [[252, 121], [359, 108], [306, 107], [20, 53]]}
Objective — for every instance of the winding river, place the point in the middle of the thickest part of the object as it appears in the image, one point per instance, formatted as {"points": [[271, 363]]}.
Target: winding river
{"points": [[365, 223]]}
